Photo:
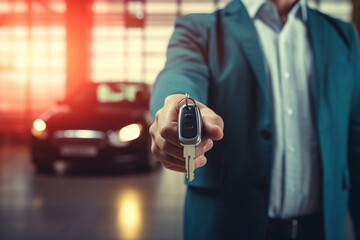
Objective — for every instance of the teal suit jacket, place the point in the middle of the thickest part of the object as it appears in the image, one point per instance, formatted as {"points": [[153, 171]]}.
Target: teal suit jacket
{"points": [[217, 59]]}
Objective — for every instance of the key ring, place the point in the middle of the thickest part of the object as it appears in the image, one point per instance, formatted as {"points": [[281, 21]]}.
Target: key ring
{"points": [[186, 99]]}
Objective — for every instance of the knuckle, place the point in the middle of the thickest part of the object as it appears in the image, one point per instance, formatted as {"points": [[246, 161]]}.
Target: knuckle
{"points": [[208, 117], [157, 115], [215, 119], [218, 119], [151, 130], [154, 149], [167, 99], [221, 122]]}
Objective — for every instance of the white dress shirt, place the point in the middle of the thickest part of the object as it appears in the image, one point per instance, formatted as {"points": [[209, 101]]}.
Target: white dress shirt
{"points": [[295, 182]]}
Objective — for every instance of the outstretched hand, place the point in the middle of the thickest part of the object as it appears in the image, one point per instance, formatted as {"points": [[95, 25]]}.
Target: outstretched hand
{"points": [[165, 145]]}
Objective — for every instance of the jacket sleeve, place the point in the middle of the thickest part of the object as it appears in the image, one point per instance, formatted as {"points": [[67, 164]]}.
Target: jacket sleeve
{"points": [[186, 68], [354, 142]]}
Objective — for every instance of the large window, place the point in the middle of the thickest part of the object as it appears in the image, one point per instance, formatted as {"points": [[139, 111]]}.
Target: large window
{"points": [[136, 54], [33, 46], [32, 57]]}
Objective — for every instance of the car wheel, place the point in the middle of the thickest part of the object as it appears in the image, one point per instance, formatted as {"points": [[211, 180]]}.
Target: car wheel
{"points": [[43, 164], [44, 169]]}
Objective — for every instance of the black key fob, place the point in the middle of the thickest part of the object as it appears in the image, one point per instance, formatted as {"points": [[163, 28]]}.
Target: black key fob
{"points": [[189, 125]]}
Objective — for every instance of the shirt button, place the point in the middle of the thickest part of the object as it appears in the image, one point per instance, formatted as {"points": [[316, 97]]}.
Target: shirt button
{"points": [[286, 75], [291, 149], [265, 133], [289, 111]]}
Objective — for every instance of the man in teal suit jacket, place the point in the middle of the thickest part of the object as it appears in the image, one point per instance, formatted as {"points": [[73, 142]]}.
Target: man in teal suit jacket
{"points": [[218, 59]]}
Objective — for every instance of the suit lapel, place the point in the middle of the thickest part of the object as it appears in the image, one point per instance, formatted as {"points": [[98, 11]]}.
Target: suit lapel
{"points": [[320, 49], [238, 22]]}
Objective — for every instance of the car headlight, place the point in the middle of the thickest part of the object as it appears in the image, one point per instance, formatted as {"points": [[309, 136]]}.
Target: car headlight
{"points": [[125, 134], [39, 129], [130, 132]]}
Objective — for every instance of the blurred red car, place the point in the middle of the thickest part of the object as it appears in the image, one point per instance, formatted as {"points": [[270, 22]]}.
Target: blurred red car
{"points": [[99, 123]]}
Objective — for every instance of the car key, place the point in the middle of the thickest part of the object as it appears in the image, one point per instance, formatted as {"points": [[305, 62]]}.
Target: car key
{"points": [[189, 132]]}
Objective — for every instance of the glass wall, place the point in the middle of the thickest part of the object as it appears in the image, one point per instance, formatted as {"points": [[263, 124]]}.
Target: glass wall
{"points": [[32, 58], [136, 53], [127, 42]]}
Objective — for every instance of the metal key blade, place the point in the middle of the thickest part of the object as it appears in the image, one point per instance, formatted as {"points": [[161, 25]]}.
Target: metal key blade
{"points": [[189, 129], [189, 155], [192, 168]]}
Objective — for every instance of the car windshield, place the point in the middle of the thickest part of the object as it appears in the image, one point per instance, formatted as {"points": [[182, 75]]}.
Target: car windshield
{"points": [[109, 94]]}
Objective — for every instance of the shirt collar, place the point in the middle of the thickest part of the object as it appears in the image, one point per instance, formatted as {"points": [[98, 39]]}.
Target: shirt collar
{"points": [[253, 6]]}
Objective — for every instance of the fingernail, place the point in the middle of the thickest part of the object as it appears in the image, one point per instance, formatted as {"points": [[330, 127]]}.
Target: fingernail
{"points": [[208, 146]]}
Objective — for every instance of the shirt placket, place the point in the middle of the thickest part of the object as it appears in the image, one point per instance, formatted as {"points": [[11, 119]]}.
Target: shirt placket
{"points": [[287, 82]]}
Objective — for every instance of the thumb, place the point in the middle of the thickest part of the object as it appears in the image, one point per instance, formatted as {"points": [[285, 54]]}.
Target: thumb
{"points": [[212, 123]]}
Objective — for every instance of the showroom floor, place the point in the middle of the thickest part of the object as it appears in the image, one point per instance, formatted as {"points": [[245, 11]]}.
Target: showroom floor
{"points": [[86, 205]]}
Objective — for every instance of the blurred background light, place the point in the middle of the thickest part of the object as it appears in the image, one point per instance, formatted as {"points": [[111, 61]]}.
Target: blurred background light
{"points": [[39, 125], [130, 132], [39, 129], [129, 219]]}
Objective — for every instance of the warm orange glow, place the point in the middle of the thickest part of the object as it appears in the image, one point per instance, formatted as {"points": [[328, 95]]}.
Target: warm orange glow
{"points": [[39, 129], [130, 132], [33, 62]]}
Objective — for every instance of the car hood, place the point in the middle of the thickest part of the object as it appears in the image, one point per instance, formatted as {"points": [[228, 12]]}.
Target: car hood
{"points": [[93, 118]]}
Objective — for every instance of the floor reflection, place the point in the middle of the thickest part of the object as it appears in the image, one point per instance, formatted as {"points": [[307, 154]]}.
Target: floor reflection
{"points": [[86, 206], [89, 204], [130, 219]]}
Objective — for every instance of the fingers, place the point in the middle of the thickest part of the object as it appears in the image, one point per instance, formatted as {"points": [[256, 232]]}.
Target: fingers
{"points": [[165, 144], [158, 147], [168, 114], [176, 150], [199, 162], [212, 123], [171, 156], [169, 132], [166, 159], [174, 163]]}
